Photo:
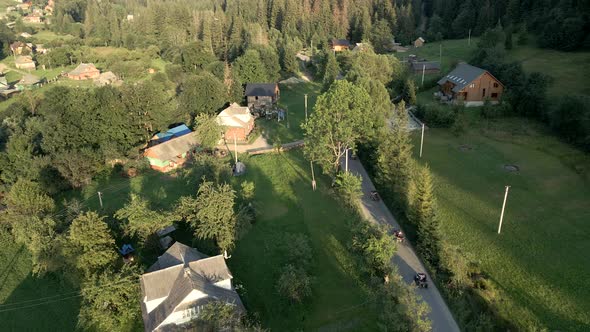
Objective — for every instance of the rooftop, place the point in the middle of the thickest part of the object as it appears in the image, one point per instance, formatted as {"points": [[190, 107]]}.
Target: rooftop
{"points": [[235, 116], [261, 89], [461, 76], [174, 147], [83, 68]]}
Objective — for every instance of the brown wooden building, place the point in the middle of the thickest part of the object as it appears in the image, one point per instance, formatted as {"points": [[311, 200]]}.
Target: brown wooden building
{"points": [[260, 95], [338, 45], [471, 85]]}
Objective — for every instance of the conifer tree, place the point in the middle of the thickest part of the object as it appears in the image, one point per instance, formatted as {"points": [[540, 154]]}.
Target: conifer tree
{"points": [[423, 216], [394, 156], [332, 69]]}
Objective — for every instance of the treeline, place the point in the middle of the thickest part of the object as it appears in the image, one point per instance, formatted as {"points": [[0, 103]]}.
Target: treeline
{"points": [[228, 27]]}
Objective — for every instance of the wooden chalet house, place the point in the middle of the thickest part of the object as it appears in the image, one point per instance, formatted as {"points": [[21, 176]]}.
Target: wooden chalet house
{"points": [[470, 85]]}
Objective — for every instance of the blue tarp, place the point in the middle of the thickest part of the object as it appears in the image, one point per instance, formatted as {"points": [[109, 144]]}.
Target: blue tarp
{"points": [[172, 133], [126, 249]]}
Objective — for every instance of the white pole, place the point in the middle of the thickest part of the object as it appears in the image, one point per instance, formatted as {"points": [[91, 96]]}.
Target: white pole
{"points": [[422, 141], [423, 72], [100, 198], [313, 184], [503, 206], [469, 42], [346, 162], [236, 149], [305, 107]]}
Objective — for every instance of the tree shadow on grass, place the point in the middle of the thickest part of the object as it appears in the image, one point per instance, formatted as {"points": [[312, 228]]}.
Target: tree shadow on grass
{"points": [[289, 205]]}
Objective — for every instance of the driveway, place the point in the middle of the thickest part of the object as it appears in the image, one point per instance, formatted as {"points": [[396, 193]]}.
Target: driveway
{"points": [[406, 260]]}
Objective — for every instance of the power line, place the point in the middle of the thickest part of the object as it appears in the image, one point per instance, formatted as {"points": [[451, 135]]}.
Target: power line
{"points": [[73, 295]]}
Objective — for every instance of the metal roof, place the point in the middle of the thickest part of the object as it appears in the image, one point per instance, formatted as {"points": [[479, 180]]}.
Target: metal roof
{"points": [[174, 147], [461, 76], [261, 89]]}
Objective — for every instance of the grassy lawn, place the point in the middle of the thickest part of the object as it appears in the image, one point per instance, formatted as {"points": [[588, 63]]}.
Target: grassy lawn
{"points": [[540, 259], [288, 205], [29, 303], [569, 70], [44, 36], [292, 99]]}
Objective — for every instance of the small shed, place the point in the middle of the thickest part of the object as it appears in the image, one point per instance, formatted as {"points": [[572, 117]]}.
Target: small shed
{"points": [[28, 82], [419, 42], [428, 67], [338, 45], [177, 131]]}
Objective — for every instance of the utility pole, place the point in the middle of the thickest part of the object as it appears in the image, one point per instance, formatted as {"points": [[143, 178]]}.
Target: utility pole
{"points": [[313, 184], [305, 106], [469, 40], [236, 149], [503, 206], [423, 72], [100, 198], [440, 54], [422, 140], [287, 115], [346, 162]]}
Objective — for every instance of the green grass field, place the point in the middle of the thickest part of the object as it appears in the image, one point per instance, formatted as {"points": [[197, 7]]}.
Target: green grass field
{"points": [[292, 99], [540, 260], [28, 303], [288, 205], [569, 70]]}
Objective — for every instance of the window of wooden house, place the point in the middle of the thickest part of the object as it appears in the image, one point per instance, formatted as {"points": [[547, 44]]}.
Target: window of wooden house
{"points": [[496, 85], [494, 95], [472, 85]]}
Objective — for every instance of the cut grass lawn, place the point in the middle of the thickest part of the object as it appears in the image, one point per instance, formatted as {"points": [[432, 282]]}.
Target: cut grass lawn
{"points": [[288, 205], [292, 99], [28, 303], [541, 258]]}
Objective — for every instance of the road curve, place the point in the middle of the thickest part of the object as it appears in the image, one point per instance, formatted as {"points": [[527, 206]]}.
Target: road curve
{"points": [[406, 259]]}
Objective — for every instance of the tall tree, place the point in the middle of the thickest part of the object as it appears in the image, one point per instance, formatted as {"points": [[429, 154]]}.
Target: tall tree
{"points": [[89, 246], [337, 124], [110, 300], [208, 130], [331, 69], [394, 157], [250, 69], [202, 94], [423, 215], [140, 220]]}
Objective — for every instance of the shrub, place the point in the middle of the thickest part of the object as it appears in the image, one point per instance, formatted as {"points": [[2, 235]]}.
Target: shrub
{"points": [[348, 186], [436, 116], [294, 283]]}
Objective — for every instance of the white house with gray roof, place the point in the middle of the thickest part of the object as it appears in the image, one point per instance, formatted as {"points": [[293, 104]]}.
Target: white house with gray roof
{"points": [[180, 283]]}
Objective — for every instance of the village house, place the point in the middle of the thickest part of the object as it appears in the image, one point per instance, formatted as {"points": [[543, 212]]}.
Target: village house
{"points": [[182, 281], [26, 35], [84, 71], [28, 82], [24, 62], [237, 121], [470, 85], [419, 42], [25, 6], [20, 48], [260, 95], [172, 153], [41, 49], [171, 133], [33, 18], [107, 78], [49, 8], [338, 45], [426, 67]]}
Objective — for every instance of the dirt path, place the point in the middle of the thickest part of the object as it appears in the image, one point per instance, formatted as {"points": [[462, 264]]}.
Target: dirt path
{"points": [[406, 259]]}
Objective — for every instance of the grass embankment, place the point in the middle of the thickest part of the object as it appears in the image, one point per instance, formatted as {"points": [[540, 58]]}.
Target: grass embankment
{"points": [[539, 260], [292, 99]]}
